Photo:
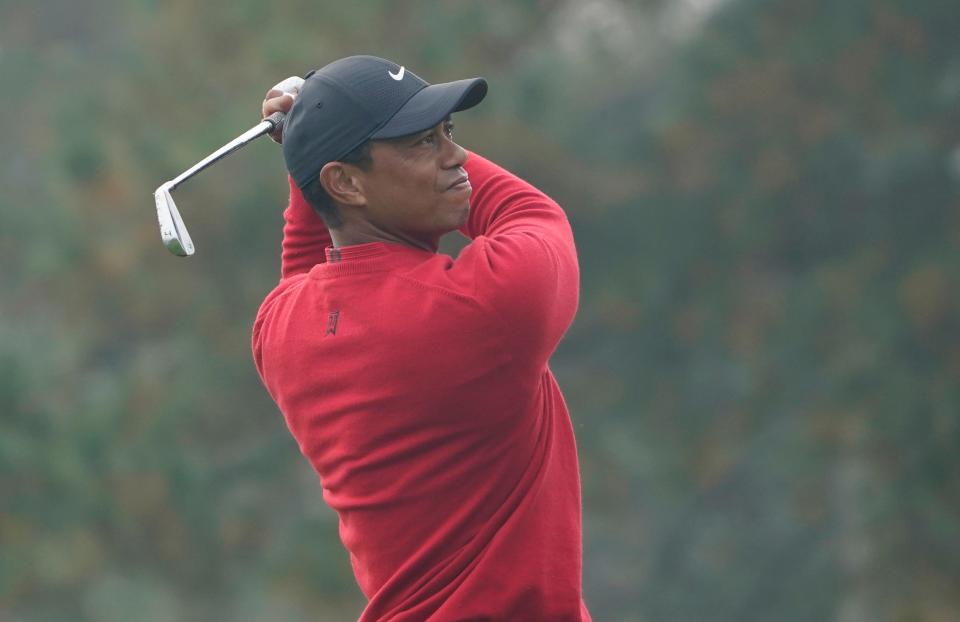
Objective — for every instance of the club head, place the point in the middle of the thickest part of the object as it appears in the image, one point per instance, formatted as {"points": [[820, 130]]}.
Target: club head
{"points": [[172, 230]]}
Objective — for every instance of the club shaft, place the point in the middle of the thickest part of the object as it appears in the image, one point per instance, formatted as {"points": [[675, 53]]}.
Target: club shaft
{"points": [[253, 133]]}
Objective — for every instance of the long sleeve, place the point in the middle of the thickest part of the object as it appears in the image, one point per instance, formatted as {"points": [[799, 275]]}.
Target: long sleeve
{"points": [[305, 236], [525, 257]]}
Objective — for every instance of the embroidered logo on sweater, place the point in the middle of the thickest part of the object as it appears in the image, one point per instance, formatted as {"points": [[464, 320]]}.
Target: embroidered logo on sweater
{"points": [[332, 318]]}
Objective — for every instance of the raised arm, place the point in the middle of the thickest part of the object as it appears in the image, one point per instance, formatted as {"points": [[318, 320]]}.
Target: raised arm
{"points": [[305, 236], [523, 255]]}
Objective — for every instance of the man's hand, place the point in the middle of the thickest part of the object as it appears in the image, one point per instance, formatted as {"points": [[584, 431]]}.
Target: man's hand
{"points": [[280, 98]]}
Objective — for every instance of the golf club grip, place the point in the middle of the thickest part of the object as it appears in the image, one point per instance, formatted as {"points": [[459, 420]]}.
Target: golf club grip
{"points": [[276, 119]]}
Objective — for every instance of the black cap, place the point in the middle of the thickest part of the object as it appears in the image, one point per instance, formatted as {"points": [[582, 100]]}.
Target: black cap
{"points": [[358, 98]]}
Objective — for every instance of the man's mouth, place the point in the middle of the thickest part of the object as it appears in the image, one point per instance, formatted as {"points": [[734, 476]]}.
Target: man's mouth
{"points": [[460, 183]]}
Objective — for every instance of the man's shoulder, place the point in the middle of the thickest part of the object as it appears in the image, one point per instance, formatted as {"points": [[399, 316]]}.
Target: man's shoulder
{"points": [[284, 288], [443, 276], [286, 285]]}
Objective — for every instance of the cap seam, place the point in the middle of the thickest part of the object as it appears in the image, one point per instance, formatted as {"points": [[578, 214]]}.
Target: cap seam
{"points": [[397, 111], [343, 90], [458, 102]]}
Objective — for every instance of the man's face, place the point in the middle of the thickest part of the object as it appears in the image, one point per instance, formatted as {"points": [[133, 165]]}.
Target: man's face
{"points": [[417, 185]]}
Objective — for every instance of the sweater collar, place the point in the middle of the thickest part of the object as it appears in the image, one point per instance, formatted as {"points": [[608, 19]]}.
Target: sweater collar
{"points": [[366, 257]]}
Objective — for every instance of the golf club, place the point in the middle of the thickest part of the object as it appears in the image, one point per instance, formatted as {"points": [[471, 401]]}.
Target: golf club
{"points": [[172, 230]]}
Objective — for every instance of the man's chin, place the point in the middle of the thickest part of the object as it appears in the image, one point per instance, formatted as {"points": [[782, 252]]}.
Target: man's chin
{"points": [[463, 212]]}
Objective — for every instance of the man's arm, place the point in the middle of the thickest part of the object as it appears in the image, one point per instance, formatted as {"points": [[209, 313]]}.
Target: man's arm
{"points": [[305, 235], [524, 257]]}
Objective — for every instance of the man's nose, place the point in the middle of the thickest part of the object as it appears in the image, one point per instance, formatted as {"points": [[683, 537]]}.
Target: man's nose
{"points": [[455, 156]]}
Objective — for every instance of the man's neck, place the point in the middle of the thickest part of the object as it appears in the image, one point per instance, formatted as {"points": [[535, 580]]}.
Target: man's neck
{"points": [[350, 235]]}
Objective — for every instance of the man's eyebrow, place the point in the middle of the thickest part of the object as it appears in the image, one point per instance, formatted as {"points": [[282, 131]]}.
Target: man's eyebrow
{"points": [[446, 120]]}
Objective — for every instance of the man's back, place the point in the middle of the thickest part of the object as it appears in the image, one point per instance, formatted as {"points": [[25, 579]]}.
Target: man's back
{"points": [[418, 388]]}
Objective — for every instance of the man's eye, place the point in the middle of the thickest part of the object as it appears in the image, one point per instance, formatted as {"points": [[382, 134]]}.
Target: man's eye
{"points": [[448, 130], [426, 140]]}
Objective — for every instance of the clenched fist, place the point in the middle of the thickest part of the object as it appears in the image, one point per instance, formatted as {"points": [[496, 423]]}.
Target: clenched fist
{"points": [[280, 98]]}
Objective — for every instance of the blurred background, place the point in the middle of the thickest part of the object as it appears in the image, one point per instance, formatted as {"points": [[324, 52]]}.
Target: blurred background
{"points": [[764, 375]]}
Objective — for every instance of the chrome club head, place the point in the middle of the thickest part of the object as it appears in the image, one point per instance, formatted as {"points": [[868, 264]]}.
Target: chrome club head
{"points": [[172, 230]]}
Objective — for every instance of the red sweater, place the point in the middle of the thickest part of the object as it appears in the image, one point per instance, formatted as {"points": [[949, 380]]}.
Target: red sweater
{"points": [[418, 388]]}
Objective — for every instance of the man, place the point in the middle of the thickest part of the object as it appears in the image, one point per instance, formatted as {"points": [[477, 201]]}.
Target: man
{"points": [[417, 386]]}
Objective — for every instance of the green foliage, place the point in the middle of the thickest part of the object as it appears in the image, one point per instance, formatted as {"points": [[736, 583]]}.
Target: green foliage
{"points": [[762, 375]]}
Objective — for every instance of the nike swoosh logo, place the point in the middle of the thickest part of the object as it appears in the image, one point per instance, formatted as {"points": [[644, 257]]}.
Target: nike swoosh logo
{"points": [[396, 76]]}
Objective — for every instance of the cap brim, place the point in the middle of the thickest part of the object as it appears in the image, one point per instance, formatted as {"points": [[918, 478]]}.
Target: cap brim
{"points": [[431, 105]]}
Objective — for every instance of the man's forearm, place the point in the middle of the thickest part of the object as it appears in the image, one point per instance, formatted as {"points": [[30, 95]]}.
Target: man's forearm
{"points": [[503, 203], [305, 236]]}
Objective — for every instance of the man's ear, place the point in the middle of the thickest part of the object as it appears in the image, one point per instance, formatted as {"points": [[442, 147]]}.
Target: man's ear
{"points": [[341, 183]]}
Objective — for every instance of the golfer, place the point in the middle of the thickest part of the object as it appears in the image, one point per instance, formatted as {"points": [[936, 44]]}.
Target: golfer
{"points": [[415, 384]]}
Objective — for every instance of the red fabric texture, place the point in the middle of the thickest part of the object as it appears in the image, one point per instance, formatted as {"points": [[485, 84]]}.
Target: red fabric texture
{"points": [[418, 388]]}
